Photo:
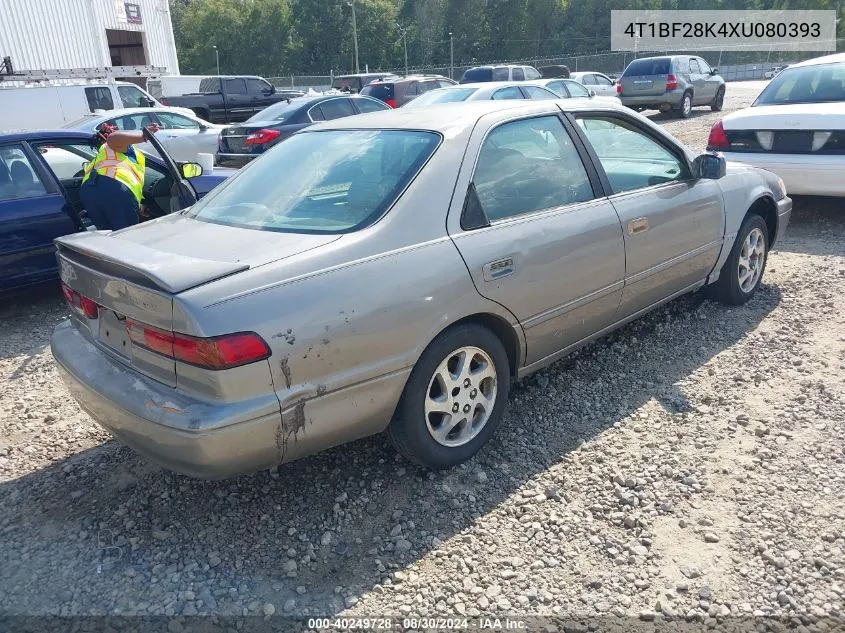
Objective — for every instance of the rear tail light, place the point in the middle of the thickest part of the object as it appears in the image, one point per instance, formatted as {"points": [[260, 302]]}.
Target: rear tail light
{"points": [[391, 103], [619, 86], [671, 82], [163, 101], [262, 136], [216, 352], [718, 139], [82, 305]]}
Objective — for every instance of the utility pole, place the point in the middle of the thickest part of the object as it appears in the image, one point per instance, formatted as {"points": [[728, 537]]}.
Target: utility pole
{"points": [[404, 34], [351, 3], [451, 56], [217, 57]]}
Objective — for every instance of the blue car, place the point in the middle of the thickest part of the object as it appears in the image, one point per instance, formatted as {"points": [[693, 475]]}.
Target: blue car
{"points": [[40, 176]]}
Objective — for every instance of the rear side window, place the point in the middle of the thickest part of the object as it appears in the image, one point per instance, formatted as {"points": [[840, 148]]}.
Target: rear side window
{"points": [[336, 109], [652, 66], [99, 98], [477, 74], [235, 86], [442, 83], [694, 67], [511, 92], [17, 177], [370, 105], [500, 74], [378, 91], [518, 74], [529, 165], [535, 92], [589, 80]]}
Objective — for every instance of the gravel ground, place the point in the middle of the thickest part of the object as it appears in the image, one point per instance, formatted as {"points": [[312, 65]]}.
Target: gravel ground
{"points": [[690, 465]]}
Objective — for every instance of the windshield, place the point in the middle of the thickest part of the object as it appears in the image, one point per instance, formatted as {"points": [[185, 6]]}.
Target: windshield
{"points": [[824, 83], [652, 66], [442, 95], [320, 182], [278, 111]]}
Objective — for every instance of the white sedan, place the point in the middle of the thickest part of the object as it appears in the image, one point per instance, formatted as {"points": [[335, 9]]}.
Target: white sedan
{"points": [[571, 89], [599, 83], [795, 128], [484, 91], [183, 136]]}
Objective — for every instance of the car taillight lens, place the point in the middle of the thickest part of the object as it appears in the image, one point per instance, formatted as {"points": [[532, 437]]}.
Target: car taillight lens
{"points": [[619, 87], [83, 305], [671, 82], [262, 136], [718, 139], [216, 352], [163, 101], [391, 103]]}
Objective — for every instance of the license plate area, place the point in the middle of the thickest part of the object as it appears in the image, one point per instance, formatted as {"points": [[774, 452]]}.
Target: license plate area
{"points": [[793, 141], [113, 333]]}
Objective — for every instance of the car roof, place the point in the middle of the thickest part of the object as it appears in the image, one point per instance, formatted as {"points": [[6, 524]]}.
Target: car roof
{"points": [[827, 59], [452, 118], [396, 80], [43, 135]]}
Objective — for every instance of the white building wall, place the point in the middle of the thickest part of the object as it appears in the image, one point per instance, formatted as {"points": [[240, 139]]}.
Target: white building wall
{"points": [[41, 34]]}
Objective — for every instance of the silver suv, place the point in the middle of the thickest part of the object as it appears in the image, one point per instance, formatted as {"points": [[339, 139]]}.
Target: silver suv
{"points": [[671, 84]]}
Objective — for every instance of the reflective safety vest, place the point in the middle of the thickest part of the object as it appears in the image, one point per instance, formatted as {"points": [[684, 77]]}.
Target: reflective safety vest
{"points": [[115, 165]]}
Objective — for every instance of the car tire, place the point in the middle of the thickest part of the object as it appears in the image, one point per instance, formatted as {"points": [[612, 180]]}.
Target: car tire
{"points": [[748, 257], [685, 106], [439, 390], [719, 100]]}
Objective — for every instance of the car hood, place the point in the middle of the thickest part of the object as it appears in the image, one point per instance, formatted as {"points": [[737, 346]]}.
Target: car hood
{"points": [[798, 116]]}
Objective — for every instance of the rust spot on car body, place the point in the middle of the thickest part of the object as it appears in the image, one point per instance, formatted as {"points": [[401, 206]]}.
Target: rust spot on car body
{"points": [[166, 407], [321, 390], [283, 365], [294, 421]]}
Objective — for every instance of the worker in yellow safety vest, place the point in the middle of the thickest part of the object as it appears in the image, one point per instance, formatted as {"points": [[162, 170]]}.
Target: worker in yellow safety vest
{"points": [[113, 184]]}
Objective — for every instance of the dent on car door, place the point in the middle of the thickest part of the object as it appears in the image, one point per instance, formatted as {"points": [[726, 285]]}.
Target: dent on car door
{"points": [[673, 224], [536, 236], [33, 212]]}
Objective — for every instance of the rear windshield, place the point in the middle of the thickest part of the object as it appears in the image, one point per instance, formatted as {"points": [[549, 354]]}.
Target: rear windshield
{"points": [[278, 111], [652, 66], [379, 91], [824, 83], [442, 95], [477, 74], [351, 83], [320, 182]]}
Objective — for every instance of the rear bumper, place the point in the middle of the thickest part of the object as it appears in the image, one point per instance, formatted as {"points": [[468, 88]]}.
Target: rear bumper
{"points": [[803, 174], [215, 440], [672, 99], [234, 160], [197, 438]]}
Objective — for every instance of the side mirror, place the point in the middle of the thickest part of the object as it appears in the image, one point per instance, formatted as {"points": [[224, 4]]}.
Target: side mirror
{"points": [[592, 93], [190, 170], [709, 166], [714, 71]]}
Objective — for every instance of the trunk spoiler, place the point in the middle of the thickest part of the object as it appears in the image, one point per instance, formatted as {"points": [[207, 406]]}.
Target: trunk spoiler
{"points": [[168, 271]]}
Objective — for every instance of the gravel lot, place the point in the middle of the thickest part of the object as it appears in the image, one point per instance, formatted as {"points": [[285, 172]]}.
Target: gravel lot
{"points": [[691, 465]]}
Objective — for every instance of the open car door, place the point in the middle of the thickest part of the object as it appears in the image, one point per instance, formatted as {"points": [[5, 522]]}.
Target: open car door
{"points": [[182, 194]]}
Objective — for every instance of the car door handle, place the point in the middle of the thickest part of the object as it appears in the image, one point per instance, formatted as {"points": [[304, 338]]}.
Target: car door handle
{"points": [[498, 269], [640, 225]]}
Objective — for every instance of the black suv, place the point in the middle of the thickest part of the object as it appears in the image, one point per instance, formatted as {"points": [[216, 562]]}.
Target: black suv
{"points": [[398, 91]]}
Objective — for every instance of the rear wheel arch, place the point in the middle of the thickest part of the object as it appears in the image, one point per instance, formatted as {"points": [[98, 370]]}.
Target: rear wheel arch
{"points": [[503, 330]]}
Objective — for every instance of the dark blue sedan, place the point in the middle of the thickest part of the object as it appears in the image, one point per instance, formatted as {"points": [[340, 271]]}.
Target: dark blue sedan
{"points": [[240, 144], [40, 176]]}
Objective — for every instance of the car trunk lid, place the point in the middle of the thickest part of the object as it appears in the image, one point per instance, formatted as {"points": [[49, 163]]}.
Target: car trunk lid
{"points": [[134, 275]]}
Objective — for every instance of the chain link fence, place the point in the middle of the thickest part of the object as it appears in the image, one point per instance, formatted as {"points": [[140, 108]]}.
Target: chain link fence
{"points": [[734, 64]]}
